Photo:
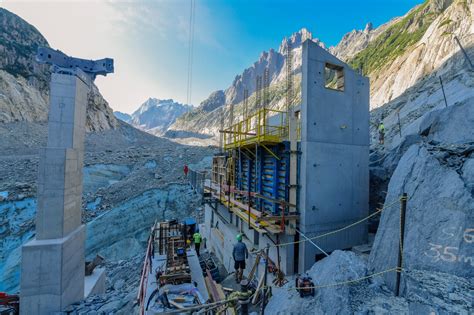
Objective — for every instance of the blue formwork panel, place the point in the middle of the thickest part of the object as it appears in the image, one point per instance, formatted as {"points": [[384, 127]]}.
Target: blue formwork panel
{"points": [[266, 175]]}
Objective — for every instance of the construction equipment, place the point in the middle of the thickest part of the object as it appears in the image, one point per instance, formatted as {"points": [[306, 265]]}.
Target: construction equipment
{"points": [[9, 303], [304, 285]]}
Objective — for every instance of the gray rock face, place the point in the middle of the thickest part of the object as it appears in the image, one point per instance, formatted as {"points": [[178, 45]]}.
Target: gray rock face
{"points": [[458, 130], [19, 42], [24, 84], [431, 292], [215, 100], [338, 267], [439, 220]]}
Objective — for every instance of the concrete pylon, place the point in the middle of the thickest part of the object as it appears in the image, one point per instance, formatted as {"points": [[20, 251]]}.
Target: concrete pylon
{"points": [[52, 267]]}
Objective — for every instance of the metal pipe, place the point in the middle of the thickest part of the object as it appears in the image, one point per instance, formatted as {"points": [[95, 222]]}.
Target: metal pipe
{"points": [[262, 310], [442, 89], [403, 207]]}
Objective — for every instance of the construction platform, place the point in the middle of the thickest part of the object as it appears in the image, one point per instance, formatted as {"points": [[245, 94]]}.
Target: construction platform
{"points": [[265, 127], [172, 277]]}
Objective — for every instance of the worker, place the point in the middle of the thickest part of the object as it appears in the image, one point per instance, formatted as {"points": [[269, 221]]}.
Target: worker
{"points": [[381, 132], [197, 241], [185, 170], [240, 253]]}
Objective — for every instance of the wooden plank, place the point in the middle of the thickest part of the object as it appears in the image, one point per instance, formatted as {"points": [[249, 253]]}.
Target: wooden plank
{"points": [[207, 282], [272, 217], [257, 291], [254, 268], [212, 284], [176, 304], [221, 294]]}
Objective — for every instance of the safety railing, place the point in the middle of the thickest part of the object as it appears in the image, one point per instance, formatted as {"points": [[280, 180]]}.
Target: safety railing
{"points": [[145, 272], [197, 180], [265, 126]]}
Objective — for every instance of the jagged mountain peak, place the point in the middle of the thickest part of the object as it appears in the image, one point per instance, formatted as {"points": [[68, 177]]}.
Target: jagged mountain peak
{"points": [[296, 39], [368, 27], [152, 102], [156, 115]]}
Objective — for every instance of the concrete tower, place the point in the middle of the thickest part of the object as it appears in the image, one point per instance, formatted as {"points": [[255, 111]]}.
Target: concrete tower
{"points": [[52, 268]]}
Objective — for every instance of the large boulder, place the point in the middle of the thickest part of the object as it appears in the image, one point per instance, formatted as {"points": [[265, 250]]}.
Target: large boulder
{"points": [[451, 125], [340, 266], [439, 232]]}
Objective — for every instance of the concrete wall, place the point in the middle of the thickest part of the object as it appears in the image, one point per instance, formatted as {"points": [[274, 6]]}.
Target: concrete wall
{"points": [[220, 233], [52, 273], [334, 174]]}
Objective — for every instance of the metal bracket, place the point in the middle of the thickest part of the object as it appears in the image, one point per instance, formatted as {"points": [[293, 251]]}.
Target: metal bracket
{"points": [[62, 63]]}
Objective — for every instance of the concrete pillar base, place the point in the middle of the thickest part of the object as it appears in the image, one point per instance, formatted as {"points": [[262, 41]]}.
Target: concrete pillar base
{"points": [[52, 273], [95, 283]]}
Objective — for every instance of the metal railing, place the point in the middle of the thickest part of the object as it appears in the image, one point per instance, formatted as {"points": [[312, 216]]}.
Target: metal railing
{"points": [[265, 126], [145, 272], [197, 180]]}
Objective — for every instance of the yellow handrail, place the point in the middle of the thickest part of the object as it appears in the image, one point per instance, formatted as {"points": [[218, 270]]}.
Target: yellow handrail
{"points": [[257, 129]]}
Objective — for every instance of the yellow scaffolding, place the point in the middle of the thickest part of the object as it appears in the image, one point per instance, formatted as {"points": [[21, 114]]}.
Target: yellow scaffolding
{"points": [[266, 126]]}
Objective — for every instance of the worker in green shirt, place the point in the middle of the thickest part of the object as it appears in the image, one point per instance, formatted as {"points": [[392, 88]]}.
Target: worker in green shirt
{"points": [[381, 132], [197, 238]]}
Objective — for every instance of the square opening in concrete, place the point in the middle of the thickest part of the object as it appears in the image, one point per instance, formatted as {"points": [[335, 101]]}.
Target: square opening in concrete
{"points": [[334, 77]]}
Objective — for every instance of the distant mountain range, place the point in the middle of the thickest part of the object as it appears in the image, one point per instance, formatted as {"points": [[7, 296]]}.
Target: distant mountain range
{"points": [[155, 115]]}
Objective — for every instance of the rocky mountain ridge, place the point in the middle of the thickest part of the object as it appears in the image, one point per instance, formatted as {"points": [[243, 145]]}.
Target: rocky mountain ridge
{"points": [[156, 115], [24, 84], [395, 56], [414, 47], [122, 116], [206, 118]]}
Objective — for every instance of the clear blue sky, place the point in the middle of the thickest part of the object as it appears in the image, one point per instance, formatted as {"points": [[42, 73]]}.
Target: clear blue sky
{"points": [[149, 39]]}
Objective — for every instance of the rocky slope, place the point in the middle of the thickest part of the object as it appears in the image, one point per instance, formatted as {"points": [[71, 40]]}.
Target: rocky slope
{"points": [[347, 288], [117, 210], [122, 116], [155, 115], [24, 84], [414, 46], [357, 40]]}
